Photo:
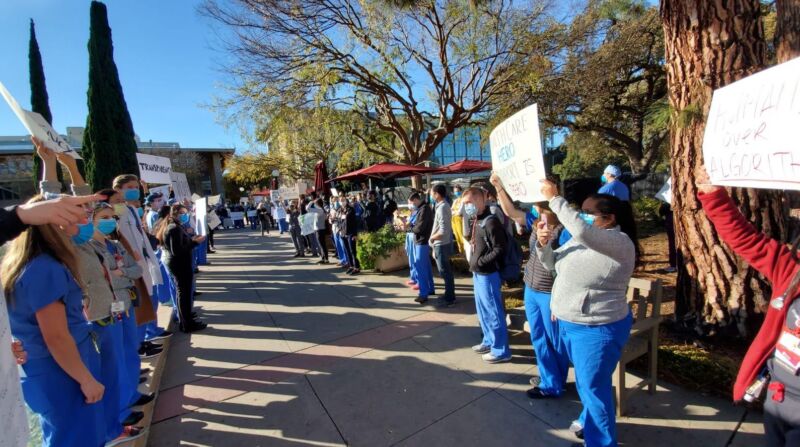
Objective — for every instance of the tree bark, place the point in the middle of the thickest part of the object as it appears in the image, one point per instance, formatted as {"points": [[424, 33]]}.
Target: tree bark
{"points": [[787, 47], [709, 44]]}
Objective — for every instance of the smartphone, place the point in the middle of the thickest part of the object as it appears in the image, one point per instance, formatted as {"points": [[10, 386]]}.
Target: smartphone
{"points": [[544, 219]]}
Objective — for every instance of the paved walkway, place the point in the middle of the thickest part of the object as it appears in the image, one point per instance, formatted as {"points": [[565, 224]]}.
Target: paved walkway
{"points": [[303, 355]]}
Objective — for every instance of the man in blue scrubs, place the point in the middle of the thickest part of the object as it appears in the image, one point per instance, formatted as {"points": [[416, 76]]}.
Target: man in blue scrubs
{"points": [[612, 185]]}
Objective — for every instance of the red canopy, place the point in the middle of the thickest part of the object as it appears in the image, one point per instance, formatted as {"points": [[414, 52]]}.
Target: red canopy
{"points": [[321, 185], [385, 171], [465, 167]]}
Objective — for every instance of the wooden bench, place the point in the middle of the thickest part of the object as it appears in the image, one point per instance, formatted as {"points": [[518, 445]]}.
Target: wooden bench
{"points": [[644, 297]]}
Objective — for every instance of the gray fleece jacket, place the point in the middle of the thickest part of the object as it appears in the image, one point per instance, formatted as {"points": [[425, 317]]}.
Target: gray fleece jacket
{"points": [[592, 270]]}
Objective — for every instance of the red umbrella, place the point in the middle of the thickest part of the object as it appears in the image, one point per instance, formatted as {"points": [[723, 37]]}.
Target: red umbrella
{"points": [[321, 185], [465, 167], [385, 171]]}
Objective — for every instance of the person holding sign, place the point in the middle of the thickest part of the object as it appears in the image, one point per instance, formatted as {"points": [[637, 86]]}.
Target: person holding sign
{"points": [[776, 348], [593, 270]]}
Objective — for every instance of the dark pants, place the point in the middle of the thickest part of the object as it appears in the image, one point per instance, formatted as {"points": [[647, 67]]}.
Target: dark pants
{"points": [[673, 254], [350, 247], [323, 245], [782, 420], [210, 244], [442, 255], [264, 225], [183, 274]]}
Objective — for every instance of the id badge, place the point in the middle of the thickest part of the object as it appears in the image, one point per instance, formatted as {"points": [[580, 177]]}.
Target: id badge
{"points": [[117, 307]]}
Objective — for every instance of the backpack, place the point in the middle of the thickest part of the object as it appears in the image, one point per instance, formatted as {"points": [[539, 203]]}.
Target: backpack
{"points": [[510, 266]]}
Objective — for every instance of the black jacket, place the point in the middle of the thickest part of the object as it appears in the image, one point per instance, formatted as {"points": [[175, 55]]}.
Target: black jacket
{"points": [[485, 257], [423, 225], [372, 216], [349, 225], [389, 207], [10, 225], [178, 246]]}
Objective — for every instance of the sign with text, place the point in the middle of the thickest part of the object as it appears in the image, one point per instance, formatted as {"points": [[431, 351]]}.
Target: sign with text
{"points": [[751, 132], [38, 126], [154, 169], [200, 211], [213, 220], [163, 190], [181, 186], [213, 200], [517, 155], [275, 195]]}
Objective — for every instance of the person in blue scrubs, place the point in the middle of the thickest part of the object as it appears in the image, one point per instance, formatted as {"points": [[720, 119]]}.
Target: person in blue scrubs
{"points": [[421, 233], [597, 263], [59, 379], [612, 185], [412, 271]]}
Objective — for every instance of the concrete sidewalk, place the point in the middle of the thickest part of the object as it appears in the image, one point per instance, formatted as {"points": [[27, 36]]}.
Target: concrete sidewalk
{"points": [[298, 354]]}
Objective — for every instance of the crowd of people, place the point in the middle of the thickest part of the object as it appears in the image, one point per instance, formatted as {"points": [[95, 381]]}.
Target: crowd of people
{"points": [[83, 267], [83, 279]]}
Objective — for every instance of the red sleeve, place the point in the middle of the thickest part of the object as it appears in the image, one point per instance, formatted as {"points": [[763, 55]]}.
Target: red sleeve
{"points": [[763, 253]]}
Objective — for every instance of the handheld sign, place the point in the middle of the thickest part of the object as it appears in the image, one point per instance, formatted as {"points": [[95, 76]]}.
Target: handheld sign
{"points": [[38, 126], [200, 210], [180, 186], [154, 169], [751, 133], [517, 155], [665, 193]]}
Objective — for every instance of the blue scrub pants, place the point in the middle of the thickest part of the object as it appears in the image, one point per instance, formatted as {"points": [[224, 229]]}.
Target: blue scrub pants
{"points": [[551, 357], [129, 392], [491, 314], [111, 375], [411, 257], [200, 253], [594, 352], [283, 227], [422, 265], [66, 419], [340, 251]]}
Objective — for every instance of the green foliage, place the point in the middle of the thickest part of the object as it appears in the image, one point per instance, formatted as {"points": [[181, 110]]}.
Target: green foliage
{"points": [[645, 209], [372, 246], [109, 145], [40, 102], [587, 156]]}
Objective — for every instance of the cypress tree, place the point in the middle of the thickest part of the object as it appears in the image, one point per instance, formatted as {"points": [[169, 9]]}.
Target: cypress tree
{"points": [[109, 145], [39, 100]]}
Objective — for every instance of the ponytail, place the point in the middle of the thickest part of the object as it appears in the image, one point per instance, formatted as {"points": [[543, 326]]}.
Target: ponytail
{"points": [[623, 212]]}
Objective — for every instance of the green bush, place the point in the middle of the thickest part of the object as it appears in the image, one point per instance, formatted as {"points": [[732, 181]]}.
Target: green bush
{"points": [[372, 246], [645, 209]]}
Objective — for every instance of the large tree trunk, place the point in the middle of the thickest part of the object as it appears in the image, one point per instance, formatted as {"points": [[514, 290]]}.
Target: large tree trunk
{"points": [[709, 45], [787, 46]]}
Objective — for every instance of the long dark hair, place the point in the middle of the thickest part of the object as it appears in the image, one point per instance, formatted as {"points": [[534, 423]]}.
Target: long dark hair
{"points": [[623, 212], [163, 224]]}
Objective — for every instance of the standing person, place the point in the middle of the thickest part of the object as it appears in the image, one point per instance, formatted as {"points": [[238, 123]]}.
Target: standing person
{"points": [[178, 246], [457, 221], [488, 243], [776, 346], [262, 213], [412, 270], [389, 208], [333, 219], [154, 201], [280, 216], [373, 219], [592, 272], [295, 231], [612, 185], [665, 211], [41, 281], [349, 225], [320, 220], [442, 239], [421, 230]]}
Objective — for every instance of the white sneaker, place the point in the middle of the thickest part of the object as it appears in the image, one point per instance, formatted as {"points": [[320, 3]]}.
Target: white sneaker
{"points": [[481, 349], [490, 358]]}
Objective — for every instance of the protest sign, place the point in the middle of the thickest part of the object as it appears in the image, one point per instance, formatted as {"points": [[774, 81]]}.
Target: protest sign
{"points": [[306, 224], [750, 135], [213, 200], [154, 169], [38, 126], [665, 193], [334, 192], [237, 215], [181, 186], [213, 220], [251, 213], [517, 155], [200, 210], [163, 190], [275, 195], [258, 199], [195, 197]]}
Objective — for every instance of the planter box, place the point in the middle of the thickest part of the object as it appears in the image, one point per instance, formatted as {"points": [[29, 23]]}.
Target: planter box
{"points": [[393, 261]]}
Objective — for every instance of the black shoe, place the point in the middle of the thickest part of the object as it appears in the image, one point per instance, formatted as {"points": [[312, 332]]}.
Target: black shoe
{"points": [[444, 303], [145, 353], [194, 327], [421, 299], [537, 393], [350, 271], [133, 418], [296, 255], [320, 262], [197, 270], [579, 435], [198, 293], [145, 399], [162, 336], [151, 345], [144, 371]]}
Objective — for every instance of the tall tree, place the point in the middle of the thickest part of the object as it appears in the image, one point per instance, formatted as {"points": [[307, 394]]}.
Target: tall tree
{"points": [[787, 30], [109, 145], [709, 45], [40, 102], [418, 71]]}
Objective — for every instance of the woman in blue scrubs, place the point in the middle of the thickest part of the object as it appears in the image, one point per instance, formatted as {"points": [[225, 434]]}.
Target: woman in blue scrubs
{"points": [[412, 271], [46, 311]]}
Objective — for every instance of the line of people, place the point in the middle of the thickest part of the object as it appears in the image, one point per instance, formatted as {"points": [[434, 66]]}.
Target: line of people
{"points": [[82, 295]]}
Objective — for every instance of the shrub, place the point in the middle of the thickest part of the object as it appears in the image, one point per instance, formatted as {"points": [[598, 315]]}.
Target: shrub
{"points": [[372, 246], [645, 209]]}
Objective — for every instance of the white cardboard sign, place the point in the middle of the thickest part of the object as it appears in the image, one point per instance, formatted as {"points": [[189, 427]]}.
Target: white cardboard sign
{"points": [[180, 186], [517, 155], [213, 220], [200, 211], [751, 133], [665, 193], [154, 169], [38, 126]]}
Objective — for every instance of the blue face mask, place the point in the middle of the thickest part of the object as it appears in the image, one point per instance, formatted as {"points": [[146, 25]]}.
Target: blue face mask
{"points": [[603, 179], [336, 205], [106, 226], [85, 232], [131, 194], [140, 210], [457, 194], [412, 207], [588, 218], [470, 209], [184, 219]]}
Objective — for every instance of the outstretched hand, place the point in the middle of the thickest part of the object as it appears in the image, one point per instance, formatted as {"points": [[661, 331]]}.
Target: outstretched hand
{"points": [[63, 211], [703, 181]]}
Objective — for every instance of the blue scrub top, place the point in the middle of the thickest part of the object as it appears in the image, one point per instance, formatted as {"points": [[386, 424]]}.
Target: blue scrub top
{"points": [[531, 216], [43, 281], [616, 189]]}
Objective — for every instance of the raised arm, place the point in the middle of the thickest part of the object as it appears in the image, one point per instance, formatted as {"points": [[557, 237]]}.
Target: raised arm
{"points": [[79, 186], [506, 203], [613, 244]]}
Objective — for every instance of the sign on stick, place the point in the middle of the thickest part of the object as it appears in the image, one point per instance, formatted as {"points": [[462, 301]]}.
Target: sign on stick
{"points": [[154, 169], [517, 155]]}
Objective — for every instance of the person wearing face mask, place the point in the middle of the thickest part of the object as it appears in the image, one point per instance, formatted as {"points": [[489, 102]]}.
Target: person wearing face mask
{"points": [[178, 246], [389, 208], [333, 220], [421, 231], [456, 220], [412, 219], [612, 185], [295, 231], [321, 229], [154, 202], [442, 241], [262, 213], [349, 229], [489, 242], [592, 272], [373, 220]]}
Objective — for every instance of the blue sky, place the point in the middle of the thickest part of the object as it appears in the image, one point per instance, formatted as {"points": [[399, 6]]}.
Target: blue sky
{"points": [[164, 51]]}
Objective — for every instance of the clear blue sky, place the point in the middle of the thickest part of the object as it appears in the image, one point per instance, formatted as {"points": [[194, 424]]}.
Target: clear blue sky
{"points": [[165, 53]]}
